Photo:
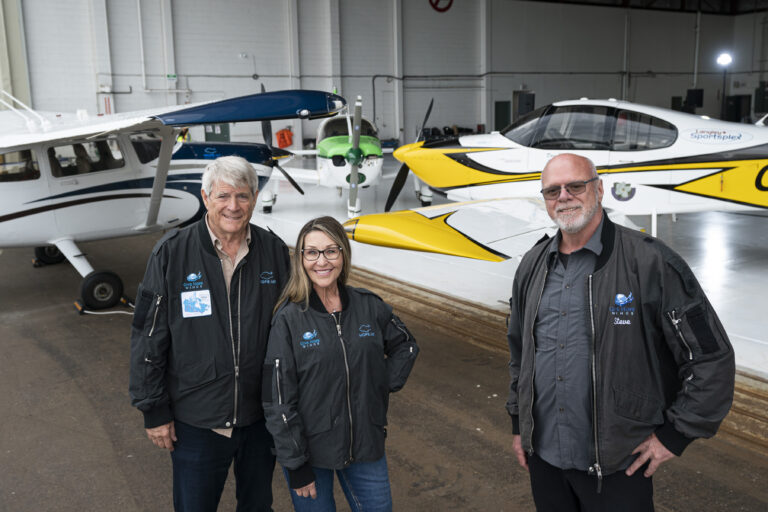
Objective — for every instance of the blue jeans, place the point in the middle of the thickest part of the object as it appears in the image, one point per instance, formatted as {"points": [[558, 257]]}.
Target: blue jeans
{"points": [[201, 460], [365, 484]]}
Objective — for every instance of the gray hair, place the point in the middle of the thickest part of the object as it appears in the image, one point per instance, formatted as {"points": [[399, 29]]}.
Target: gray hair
{"points": [[235, 171]]}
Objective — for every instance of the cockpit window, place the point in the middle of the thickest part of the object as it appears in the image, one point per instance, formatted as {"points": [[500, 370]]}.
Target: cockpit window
{"points": [[146, 145], [639, 132], [522, 130], [85, 157], [338, 126], [584, 127], [18, 166]]}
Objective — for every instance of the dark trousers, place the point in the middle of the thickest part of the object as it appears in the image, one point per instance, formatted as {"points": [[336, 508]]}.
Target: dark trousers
{"points": [[201, 460], [572, 490]]}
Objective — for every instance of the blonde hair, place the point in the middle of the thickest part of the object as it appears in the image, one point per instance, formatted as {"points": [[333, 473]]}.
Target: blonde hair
{"points": [[299, 286]]}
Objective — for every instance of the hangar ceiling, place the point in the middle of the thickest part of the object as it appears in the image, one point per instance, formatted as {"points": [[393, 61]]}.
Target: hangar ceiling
{"points": [[705, 6]]}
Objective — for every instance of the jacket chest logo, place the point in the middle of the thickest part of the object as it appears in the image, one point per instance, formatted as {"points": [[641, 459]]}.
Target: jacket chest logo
{"points": [[622, 309], [267, 277], [193, 281], [309, 339], [366, 330]]}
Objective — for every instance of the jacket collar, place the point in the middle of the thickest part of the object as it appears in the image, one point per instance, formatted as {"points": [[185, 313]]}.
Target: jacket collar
{"points": [[205, 236], [606, 238], [316, 304]]}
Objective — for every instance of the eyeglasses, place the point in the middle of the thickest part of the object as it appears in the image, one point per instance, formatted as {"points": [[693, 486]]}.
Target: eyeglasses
{"points": [[331, 253], [575, 188]]}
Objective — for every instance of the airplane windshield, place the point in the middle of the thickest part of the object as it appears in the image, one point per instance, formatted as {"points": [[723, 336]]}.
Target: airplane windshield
{"points": [[585, 127], [338, 126], [522, 130], [85, 157], [18, 166]]}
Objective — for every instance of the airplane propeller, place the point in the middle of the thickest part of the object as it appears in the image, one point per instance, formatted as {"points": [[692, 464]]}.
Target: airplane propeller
{"points": [[266, 132], [355, 155], [402, 173]]}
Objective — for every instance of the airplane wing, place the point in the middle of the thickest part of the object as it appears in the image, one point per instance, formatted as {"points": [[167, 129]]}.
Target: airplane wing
{"points": [[21, 128], [492, 230]]}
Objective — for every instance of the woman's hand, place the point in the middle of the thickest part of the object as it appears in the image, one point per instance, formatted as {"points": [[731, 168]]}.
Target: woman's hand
{"points": [[308, 491]]}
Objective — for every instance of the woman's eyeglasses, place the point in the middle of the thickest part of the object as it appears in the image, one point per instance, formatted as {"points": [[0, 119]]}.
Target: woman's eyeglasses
{"points": [[575, 188], [331, 253]]}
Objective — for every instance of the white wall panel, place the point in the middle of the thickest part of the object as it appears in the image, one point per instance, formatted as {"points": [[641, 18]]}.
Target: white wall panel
{"points": [[558, 51], [59, 55], [545, 37]]}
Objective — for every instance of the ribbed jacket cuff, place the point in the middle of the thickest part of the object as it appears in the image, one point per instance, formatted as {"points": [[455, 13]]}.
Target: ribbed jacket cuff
{"points": [[160, 415], [515, 424], [672, 440], [301, 477]]}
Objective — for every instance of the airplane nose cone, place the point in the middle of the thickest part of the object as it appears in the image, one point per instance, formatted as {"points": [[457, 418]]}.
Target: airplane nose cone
{"points": [[401, 152]]}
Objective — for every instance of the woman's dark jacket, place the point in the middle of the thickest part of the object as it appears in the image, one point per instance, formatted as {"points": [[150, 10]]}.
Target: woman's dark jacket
{"points": [[327, 380]]}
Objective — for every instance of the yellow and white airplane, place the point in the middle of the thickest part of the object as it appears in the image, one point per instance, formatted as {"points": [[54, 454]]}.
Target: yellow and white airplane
{"points": [[651, 160], [66, 179]]}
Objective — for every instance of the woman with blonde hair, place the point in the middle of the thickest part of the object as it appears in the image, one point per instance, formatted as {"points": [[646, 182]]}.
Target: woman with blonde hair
{"points": [[335, 354]]}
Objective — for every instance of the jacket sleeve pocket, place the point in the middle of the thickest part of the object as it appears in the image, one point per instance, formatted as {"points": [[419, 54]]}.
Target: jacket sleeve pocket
{"points": [[143, 304], [693, 331]]}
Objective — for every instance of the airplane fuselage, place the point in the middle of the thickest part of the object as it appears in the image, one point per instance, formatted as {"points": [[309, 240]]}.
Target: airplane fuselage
{"points": [[102, 194], [681, 163]]}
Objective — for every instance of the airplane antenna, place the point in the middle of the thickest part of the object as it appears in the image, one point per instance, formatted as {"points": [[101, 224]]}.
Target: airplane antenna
{"points": [[44, 123]]}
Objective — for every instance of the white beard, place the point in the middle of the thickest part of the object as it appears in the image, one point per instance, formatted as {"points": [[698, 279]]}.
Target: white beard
{"points": [[576, 223]]}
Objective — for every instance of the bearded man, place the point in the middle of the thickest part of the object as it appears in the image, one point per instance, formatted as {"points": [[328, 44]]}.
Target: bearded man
{"points": [[618, 360]]}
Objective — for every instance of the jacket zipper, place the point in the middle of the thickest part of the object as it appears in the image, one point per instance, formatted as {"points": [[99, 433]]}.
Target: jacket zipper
{"points": [[596, 468], [154, 318], [288, 428], [235, 347], [277, 377], [533, 370], [349, 401], [404, 331], [676, 324]]}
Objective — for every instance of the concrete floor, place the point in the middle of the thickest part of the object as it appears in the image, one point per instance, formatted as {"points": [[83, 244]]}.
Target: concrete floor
{"points": [[69, 440]]}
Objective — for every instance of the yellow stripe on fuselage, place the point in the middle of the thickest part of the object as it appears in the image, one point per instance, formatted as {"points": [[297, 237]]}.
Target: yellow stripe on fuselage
{"points": [[441, 171], [410, 230], [737, 182]]}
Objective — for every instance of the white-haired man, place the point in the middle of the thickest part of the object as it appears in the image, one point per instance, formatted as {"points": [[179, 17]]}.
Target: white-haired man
{"points": [[618, 360], [198, 342]]}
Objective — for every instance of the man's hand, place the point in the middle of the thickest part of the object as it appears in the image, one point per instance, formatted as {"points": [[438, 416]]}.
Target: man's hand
{"points": [[650, 450], [517, 447], [308, 491], [163, 436]]}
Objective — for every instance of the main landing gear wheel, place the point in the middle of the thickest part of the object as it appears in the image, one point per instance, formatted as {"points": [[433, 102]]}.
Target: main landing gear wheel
{"points": [[49, 254], [101, 290]]}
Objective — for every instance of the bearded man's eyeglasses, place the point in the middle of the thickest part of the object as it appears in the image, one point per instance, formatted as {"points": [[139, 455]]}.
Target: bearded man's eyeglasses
{"points": [[575, 188]]}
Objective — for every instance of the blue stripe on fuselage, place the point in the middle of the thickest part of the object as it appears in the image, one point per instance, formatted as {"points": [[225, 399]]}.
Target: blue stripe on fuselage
{"points": [[253, 152]]}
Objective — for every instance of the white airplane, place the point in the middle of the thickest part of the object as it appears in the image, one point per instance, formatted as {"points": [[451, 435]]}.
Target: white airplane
{"points": [[348, 154], [66, 179], [651, 160]]}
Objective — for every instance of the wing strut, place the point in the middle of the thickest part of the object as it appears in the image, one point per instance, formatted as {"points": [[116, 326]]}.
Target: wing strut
{"points": [[163, 162]]}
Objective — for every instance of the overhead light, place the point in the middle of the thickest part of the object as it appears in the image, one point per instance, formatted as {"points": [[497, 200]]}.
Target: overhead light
{"points": [[724, 59]]}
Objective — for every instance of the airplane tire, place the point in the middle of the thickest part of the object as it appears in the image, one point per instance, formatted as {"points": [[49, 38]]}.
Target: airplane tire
{"points": [[101, 290], [267, 209], [426, 203], [49, 254]]}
